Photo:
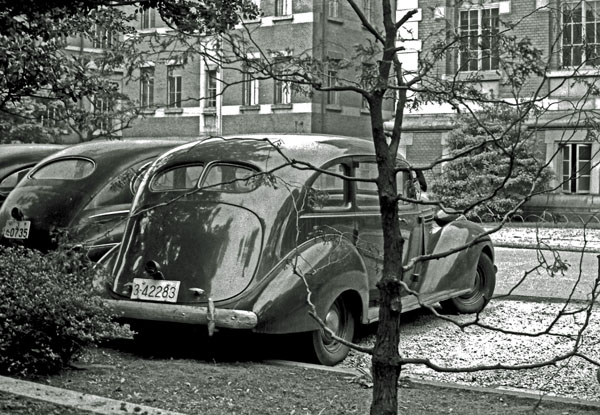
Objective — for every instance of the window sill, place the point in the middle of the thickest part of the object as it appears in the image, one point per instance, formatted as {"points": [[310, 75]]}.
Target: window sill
{"points": [[333, 107], [249, 108], [477, 76], [175, 110], [148, 111], [209, 110], [288, 17], [567, 73], [365, 111], [336, 20], [275, 107], [252, 21]]}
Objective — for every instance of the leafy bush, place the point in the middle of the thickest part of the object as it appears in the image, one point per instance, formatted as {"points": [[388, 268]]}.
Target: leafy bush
{"points": [[496, 164], [48, 312]]}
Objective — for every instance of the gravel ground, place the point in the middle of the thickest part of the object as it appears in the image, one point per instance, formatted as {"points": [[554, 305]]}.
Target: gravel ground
{"points": [[560, 238], [426, 336]]}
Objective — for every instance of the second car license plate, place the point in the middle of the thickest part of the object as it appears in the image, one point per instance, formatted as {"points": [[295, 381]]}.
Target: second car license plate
{"points": [[17, 229], [155, 290]]}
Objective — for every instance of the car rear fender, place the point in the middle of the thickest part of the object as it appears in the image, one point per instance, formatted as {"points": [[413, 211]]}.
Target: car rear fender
{"points": [[317, 271]]}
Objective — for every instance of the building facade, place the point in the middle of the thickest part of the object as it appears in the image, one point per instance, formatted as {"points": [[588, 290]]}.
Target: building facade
{"points": [[568, 34]]}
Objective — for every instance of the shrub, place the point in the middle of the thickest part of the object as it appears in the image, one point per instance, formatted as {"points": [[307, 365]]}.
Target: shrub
{"points": [[501, 166], [48, 312]]}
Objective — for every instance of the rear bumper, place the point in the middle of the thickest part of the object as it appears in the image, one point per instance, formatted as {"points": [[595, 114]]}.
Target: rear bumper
{"points": [[187, 314]]}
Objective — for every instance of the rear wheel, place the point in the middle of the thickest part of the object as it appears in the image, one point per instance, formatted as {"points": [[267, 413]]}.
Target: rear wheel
{"points": [[483, 288], [340, 320]]}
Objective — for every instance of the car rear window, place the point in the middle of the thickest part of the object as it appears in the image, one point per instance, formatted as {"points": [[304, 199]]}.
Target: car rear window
{"points": [[230, 178], [65, 169], [178, 178]]}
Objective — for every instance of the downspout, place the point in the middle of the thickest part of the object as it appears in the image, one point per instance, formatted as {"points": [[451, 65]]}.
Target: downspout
{"points": [[323, 55]]}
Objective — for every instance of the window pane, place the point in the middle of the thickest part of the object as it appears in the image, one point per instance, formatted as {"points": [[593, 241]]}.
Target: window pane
{"points": [[230, 178], [178, 178], [68, 169]]}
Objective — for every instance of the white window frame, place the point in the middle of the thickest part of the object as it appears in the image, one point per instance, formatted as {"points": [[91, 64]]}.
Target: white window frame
{"points": [[283, 7], [477, 34], [174, 86], [576, 50], [566, 168]]}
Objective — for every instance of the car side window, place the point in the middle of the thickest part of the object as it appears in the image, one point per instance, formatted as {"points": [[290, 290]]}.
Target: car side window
{"points": [[230, 178], [366, 192], [329, 191], [10, 181], [178, 178]]}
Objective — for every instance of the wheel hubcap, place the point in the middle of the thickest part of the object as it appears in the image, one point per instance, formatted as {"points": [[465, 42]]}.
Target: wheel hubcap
{"points": [[332, 321]]}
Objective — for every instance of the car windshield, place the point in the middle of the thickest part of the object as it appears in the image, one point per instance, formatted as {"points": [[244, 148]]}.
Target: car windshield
{"points": [[65, 169], [178, 178]]}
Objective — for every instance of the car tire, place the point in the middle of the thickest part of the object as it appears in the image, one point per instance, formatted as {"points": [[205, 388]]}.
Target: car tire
{"points": [[339, 318], [483, 288]]}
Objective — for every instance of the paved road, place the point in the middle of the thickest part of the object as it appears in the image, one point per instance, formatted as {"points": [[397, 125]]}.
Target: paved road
{"points": [[513, 263]]}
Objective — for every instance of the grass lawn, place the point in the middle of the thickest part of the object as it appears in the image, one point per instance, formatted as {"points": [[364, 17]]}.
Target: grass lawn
{"points": [[174, 381]]}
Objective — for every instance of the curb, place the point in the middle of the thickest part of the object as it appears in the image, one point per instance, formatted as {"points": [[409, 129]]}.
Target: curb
{"points": [[517, 393], [82, 401]]}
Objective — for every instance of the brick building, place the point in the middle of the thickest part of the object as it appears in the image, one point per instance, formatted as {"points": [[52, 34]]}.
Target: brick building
{"points": [[565, 31], [198, 98]]}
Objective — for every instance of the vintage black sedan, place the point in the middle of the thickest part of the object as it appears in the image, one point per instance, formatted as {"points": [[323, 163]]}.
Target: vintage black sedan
{"points": [[80, 195], [17, 159], [227, 233]]}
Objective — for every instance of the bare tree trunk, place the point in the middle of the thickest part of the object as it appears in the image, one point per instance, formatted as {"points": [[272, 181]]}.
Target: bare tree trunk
{"points": [[386, 357]]}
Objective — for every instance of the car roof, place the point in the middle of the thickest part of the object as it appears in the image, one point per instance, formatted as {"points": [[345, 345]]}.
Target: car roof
{"points": [[115, 149], [267, 151]]}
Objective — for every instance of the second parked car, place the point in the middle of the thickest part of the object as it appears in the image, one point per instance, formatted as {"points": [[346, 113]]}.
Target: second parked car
{"points": [[80, 195], [17, 159]]}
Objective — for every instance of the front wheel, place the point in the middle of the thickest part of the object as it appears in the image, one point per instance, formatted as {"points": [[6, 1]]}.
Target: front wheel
{"points": [[483, 288], [340, 320]]}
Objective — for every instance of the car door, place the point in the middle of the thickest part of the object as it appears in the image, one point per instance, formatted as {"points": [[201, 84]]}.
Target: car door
{"points": [[368, 229]]}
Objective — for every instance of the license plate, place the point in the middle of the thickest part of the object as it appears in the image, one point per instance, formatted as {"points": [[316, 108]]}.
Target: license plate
{"points": [[155, 290], [17, 229]]}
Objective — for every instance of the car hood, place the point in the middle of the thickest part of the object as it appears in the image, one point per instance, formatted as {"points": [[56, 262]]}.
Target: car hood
{"points": [[212, 248]]}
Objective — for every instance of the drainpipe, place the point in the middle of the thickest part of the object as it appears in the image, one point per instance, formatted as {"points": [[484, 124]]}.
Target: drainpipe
{"points": [[323, 55]]}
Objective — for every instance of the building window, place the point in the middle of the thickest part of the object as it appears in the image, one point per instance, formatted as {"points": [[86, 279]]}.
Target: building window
{"points": [[283, 92], [103, 110], [250, 89], [581, 33], [283, 7], [103, 38], [211, 88], [148, 19], [50, 117], [334, 8], [147, 87], [576, 168], [478, 39], [367, 9], [174, 77], [333, 97]]}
